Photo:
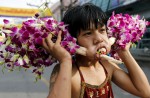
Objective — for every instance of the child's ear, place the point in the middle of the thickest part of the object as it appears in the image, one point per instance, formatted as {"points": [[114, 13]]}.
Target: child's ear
{"points": [[112, 40]]}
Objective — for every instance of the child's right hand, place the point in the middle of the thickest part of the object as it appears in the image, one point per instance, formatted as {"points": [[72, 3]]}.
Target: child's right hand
{"points": [[55, 49]]}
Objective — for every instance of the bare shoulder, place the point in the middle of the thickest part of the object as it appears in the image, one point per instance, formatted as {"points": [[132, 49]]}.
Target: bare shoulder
{"points": [[75, 75], [75, 82], [54, 75], [110, 67]]}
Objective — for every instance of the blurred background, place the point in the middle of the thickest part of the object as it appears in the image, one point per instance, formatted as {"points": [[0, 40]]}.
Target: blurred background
{"points": [[21, 84]]}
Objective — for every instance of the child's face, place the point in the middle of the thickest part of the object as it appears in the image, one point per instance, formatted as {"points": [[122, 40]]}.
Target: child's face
{"points": [[93, 40]]}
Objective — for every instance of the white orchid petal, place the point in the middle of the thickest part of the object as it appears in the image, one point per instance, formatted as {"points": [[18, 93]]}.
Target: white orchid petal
{"points": [[2, 37], [8, 42], [9, 25], [7, 31], [20, 61], [15, 57]]}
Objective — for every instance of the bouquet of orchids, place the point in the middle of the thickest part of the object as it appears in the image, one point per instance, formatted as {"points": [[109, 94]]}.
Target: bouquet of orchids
{"points": [[21, 47], [125, 29]]}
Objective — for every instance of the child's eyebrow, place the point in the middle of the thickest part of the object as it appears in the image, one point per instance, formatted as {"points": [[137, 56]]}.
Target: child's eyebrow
{"points": [[102, 27], [84, 31]]}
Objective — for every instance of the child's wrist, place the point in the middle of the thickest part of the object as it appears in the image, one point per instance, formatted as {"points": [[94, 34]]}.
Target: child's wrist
{"points": [[123, 53], [65, 61]]}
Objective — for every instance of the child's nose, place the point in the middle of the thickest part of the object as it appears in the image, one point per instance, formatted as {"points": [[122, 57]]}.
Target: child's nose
{"points": [[98, 39]]}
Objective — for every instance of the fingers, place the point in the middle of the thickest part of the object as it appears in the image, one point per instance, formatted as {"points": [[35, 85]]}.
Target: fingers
{"points": [[59, 37], [45, 45], [49, 42]]}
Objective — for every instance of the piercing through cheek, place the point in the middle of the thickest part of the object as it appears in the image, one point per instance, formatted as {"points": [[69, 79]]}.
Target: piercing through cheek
{"points": [[101, 51]]}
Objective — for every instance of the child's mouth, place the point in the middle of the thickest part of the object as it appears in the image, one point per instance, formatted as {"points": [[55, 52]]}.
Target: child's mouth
{"points": [[101, 51]]}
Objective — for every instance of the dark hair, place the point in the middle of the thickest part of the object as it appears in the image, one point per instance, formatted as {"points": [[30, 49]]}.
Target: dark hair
{"points": [[80, 18]]}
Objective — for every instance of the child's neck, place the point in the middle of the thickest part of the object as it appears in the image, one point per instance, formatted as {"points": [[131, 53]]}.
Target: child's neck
{"points": [[81, 61]]}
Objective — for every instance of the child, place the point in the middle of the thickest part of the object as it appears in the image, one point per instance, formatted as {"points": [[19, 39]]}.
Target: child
{"points": [[90, 76]]}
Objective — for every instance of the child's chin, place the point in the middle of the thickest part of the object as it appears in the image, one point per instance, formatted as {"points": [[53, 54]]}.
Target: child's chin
{"points": [[97, 56]]}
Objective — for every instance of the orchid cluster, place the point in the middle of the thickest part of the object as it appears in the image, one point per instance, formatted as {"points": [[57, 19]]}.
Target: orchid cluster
{"points": [[21, 47], [125, 29]]}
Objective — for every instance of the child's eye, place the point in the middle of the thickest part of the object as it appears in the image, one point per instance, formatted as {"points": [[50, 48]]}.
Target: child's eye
{"points": [[102, 30]]}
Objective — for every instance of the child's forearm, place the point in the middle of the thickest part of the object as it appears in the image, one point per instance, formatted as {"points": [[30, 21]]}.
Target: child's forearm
{"points": [[136, 74], [62, 86]]}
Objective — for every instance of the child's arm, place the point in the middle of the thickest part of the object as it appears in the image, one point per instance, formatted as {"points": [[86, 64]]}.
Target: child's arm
{"points": [[135, 80], [53, 76], [62, 86], [61, 82]]}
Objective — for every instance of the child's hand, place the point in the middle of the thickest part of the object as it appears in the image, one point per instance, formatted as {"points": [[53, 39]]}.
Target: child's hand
{"points": [[55, 49], [125, 49]]}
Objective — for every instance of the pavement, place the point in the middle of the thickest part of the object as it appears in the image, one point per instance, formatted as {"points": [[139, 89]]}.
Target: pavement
{"points": [[21, 84]]}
